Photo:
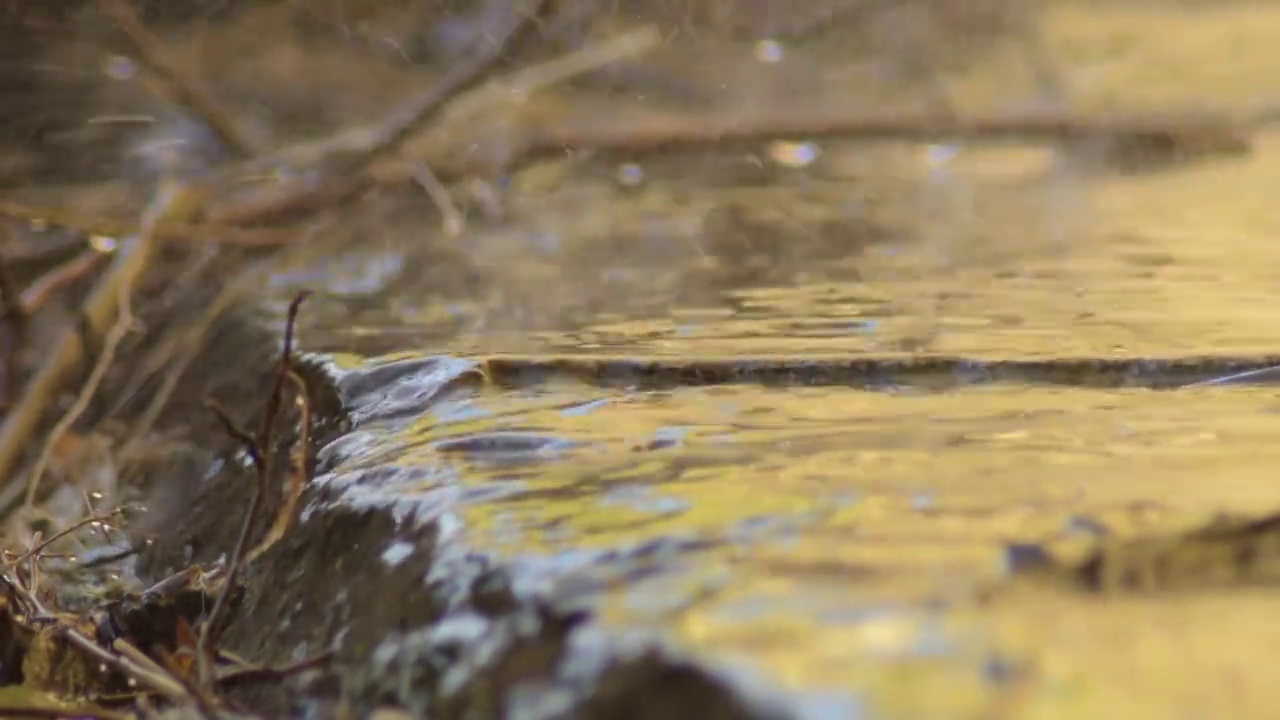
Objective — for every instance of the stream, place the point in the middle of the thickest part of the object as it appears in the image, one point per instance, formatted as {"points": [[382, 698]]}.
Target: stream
{"points": [[798, 443]]}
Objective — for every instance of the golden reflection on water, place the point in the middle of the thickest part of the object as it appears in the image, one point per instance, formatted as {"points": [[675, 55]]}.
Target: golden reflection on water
{"points": [[835, 537], [836, 519]]}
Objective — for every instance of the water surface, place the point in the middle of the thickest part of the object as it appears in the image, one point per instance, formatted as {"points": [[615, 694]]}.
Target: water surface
{"points": [[835, 537]]}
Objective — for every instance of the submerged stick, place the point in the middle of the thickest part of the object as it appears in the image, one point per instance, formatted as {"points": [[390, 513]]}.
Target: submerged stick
{"points": [[175, 83], [174, 230], [514, 89], [664, 131], [343, 162], [388, 137]]}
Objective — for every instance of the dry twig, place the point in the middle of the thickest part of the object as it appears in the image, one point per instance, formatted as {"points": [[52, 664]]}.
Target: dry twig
{"points": [[128, 651], [259, 449], [251, 675], [33, 552], [158, 682], [296, 479]]}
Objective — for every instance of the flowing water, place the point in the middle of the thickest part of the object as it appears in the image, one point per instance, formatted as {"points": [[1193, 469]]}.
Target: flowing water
{"points": [[837, 529]]}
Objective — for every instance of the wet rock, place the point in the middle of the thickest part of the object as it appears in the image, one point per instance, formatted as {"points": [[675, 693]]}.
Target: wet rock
{"points": [[536, 663], [400, 388], [1227, 553]]}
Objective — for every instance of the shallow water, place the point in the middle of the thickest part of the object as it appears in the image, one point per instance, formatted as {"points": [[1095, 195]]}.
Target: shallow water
{"points": [[835, 537]]}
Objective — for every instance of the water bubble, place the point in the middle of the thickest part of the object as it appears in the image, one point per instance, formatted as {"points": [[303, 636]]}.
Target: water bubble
{"points": [[119, 67], [629, 175], [937, 157], [794, 154], [769, 51], [104, 245]]}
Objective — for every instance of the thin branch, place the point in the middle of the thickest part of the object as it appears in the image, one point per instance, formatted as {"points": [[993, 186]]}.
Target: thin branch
{"points": [[154, 681], [33, 567], [451, 219], [246, 441], [261, 445], [34, 551], [34, 609], [174, 582], [102, 527], [251, 675], [205, 650], [640, 130], [113, 557], [558, 70], [175, 83], [132, 653], [276, 399], [647, 132], [71, 271], [296, 479], [171, 232]]}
